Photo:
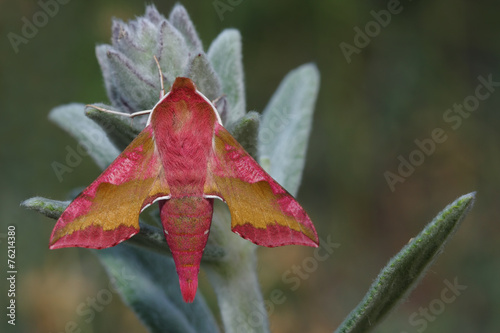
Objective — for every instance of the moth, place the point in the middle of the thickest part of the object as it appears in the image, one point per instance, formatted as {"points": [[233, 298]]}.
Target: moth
{"points": [[183, 160]]}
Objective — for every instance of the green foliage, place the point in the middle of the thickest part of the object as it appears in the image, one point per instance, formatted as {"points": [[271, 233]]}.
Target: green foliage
{"points": [[286, 124], [47, 207], [225, 56], [398, 278], [246, 130]]}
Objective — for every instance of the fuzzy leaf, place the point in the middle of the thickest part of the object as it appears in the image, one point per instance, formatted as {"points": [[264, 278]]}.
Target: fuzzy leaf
{"points": [[149, 284], [154, 15], [225, 55], [113, 92], [47, 207], [246, 130], [120, 130], [129, 70], [137, 87], [72, 119], [285, 126], [172, 53], [203, 75], [180, 19], [400, 276], [135, 39]]}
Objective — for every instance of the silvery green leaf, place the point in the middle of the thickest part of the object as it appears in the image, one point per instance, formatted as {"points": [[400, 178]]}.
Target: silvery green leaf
{"points": [[204, 77], [400, 276], [149, 284], [139, 89], [135, 39], [285, 126], [172, 52], [180, 19], [120, 130], [225, 56], [90, 136], [246, 130], [47, 207], [113, 92], [154, 15], [145, 36]]}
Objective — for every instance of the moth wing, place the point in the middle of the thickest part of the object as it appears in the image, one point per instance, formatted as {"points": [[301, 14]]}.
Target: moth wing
{"points": [[107, 211], [261, 210]]}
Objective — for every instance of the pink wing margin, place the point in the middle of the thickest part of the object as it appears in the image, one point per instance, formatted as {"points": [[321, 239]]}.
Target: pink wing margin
{"points": [[107, 212]]}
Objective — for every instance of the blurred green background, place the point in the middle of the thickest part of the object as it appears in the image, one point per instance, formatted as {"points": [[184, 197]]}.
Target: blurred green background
{"points": [[369, 111]]}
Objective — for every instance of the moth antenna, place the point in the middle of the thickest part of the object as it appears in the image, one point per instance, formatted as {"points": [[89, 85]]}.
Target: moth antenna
{"points": [[124, 114], [162, 92]]}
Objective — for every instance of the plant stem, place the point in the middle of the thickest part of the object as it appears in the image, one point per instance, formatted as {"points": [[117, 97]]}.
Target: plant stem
{"points": [[238, 292], [235, 278]]}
